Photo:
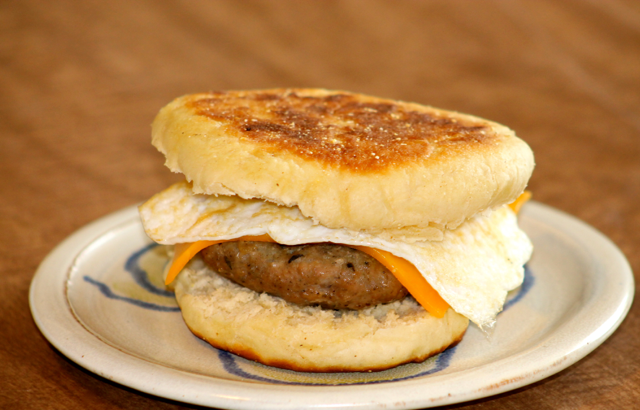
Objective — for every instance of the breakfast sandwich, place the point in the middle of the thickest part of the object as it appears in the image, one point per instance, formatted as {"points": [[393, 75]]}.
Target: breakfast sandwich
{"points": [[325, 231]]}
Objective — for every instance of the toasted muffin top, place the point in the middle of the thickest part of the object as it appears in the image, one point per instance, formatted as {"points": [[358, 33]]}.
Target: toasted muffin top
{"points": [[345, 160], [345, 130]]}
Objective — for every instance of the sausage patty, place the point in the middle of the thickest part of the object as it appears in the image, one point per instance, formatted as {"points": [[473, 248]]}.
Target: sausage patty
{"points": [[332, 276]]}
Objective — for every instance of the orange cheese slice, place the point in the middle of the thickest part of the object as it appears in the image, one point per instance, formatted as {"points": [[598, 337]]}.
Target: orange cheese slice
{"points": [[517, 204], [410, 278]]}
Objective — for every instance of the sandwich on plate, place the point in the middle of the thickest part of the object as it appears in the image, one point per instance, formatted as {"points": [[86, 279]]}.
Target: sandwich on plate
{"points": [[328, 231]]}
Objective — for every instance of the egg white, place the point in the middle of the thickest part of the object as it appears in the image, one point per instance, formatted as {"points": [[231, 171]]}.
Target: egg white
{"points": [[473, 267]]}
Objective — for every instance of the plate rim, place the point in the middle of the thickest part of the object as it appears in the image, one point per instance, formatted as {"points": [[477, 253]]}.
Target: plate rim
{"points": [[197, 389]]}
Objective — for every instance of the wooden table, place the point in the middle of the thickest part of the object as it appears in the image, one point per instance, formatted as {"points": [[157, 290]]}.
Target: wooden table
{"points": [[81, 82]]}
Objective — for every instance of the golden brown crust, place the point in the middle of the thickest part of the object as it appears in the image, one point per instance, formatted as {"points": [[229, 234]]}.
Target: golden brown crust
{"points": [[336, 156], [352, 132]]}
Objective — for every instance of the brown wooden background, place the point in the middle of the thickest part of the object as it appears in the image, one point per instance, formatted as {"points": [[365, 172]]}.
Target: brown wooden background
{"points": [[80, 82]]}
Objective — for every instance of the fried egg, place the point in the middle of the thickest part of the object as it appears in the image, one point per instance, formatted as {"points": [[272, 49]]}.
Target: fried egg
{"points": [[473, 267]]}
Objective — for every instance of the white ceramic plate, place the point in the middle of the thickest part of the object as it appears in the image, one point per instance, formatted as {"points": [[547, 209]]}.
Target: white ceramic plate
{"points": [[98, 298]]}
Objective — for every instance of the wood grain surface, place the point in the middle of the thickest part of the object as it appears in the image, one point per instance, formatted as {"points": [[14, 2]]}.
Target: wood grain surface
{"points": [[81, 82]]}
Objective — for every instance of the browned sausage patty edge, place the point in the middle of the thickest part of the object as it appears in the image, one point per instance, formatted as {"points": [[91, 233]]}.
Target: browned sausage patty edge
{"points": [[330, 275]]}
